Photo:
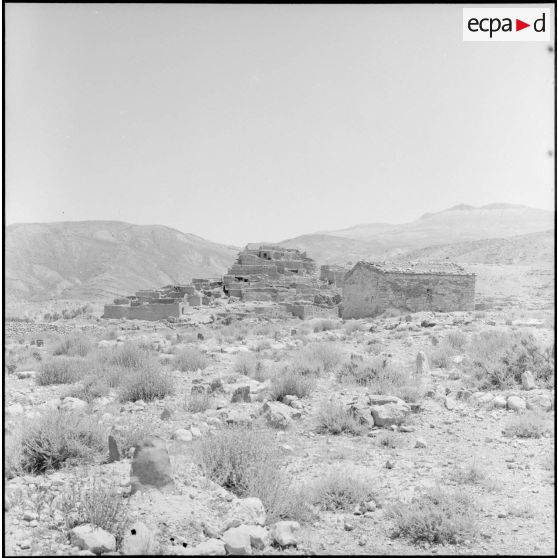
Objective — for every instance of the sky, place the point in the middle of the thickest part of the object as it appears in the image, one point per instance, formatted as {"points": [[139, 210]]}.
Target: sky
{"points": [[242, 123]]}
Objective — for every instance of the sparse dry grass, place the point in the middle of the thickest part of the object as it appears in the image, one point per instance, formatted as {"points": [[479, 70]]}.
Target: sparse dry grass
{"points": [[530, 424], [56, 438], [248, 462], [190, 359], [335, 418], [290, 381], [198, 402], [324, 324], [438, 517], [73, 345], [61, 370], [146, 383], [340, 490]]}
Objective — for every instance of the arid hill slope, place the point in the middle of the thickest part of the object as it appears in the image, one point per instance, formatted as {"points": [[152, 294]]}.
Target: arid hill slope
{"points": [[93, 259]]}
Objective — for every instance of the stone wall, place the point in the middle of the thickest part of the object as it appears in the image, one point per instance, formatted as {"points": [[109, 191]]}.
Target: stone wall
{"points": [[144, 312], [368, 292], [307, 311]]}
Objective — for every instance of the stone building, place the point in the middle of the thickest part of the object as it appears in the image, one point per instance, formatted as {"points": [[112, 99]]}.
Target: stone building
{"points": [[370, 288], [333, 274]]}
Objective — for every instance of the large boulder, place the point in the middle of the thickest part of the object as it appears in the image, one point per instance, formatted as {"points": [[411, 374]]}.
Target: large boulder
{"points": [[277, 414], [361, 413], [210, 547], [73, 404], [151, 467], [394, 413], [237, 541], [138, 540], [94, 539], [539, 402], [284, 533]]}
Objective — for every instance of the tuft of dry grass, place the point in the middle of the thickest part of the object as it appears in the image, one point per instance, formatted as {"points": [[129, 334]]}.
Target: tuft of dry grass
{"points": [[324, 325], [190, 359], [438, 517], [198, 402], [61, 370], [249, 463], [530, 424], [290, 381], [73, 345], [335, 418], [146, 383], [340, 490], [54, 438]]}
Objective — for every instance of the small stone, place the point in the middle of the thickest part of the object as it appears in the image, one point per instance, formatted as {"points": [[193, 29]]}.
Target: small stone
{"points": [[516, 403], [527, 380], [94, 539], [389, 464], [211, 547], [348, 526], [450, 403], [166, 414], [73, 404], [114, 454], [499, 402], [196, 432], [284, 533], [420, 443], [182, 435], [422, 363]]}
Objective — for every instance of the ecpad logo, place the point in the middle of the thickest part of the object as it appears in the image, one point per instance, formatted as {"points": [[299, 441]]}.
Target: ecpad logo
{"points": [[506, 24]]}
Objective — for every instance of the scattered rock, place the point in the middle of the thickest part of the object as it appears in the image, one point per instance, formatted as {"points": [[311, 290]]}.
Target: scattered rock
{"points": [[182, 435], [420, 443], [151, 467], [94, 539], [114, 454], [284, 533], [247, 511], [73, 404], [211, 547], [277, 414], [390, 413], [499, 402], [166, 414], [516, 403], [539, 402], [237, 541], [450, 403], [527, 380]]}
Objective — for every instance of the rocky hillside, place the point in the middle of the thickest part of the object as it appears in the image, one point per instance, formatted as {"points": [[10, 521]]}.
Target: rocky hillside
{"points": [[462, 223], [99, 259], [527, 249]]}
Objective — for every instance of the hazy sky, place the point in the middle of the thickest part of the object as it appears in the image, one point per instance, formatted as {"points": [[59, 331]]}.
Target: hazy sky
{"points": [[241, 123]]}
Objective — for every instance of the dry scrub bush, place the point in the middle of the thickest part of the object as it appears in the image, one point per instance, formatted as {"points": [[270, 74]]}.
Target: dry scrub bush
{"points": [[232, 332], [248, 364], [56, 438], [352, 326], [73, 345], [439, 517], [92, 500], [130, 355], [528, 425], [290, 381], [317, 358], [324, 325], [190, 359], [335, 418], [498, 358], [339, 490], [248, 462], [198, 402], [147, 383], [382, 377], [89, 389], [61, 370]]}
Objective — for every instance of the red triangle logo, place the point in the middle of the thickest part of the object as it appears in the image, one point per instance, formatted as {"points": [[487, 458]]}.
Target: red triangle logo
{"points": [[519, 25]]}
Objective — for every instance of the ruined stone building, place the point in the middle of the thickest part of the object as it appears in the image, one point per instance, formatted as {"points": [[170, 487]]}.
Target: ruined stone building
{"points": [[333, 274], [371, 288]]}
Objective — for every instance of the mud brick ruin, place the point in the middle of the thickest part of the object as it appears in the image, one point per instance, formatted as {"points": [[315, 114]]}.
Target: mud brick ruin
{"points": [[164, 303], [371, 288], [288, 277]]}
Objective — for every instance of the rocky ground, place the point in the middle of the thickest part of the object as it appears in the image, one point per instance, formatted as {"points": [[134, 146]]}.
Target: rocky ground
{"points": [[453, 437]]}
